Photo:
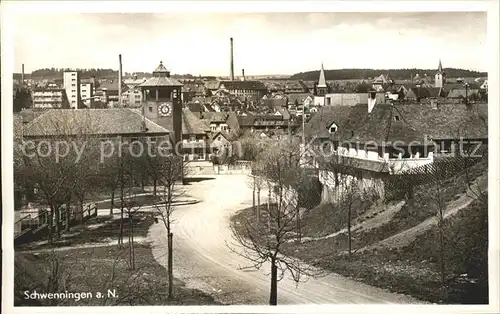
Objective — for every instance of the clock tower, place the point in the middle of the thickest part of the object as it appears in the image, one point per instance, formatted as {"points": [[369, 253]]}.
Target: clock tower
{"points": [[162, 103]]}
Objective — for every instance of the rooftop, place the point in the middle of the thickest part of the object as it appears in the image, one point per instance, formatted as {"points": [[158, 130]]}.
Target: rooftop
{"points": [[70, 122]]}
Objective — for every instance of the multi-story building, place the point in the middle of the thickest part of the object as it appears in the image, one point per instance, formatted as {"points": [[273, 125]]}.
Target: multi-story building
{"points": [[50, 98], [87, 94], [71, 83], [249, 89], [132, 97]]}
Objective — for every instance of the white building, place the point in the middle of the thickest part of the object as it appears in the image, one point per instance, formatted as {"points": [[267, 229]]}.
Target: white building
{"points": [[72, 86], [86, 93]]}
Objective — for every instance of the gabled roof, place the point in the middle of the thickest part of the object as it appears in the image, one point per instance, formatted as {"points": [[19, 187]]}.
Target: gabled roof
{"points": [[275, 102], [418, 92], [112, 86], [70, 122], [414, 123], [214, 117], [449, 121], [318, 125], [461, 93], [212, 85], [230, 136], [252, 85], [380, 126]]}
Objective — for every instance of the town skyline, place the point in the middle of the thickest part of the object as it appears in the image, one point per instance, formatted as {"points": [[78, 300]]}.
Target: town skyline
{"points": [[260, 42]]}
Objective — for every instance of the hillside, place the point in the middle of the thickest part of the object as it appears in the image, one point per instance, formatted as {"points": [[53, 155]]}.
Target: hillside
{"points": [[396, 239], [395, 243], [398, 74]]}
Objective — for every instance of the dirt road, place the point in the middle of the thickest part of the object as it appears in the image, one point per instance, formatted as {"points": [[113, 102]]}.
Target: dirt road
{"points": [[203, 260]]}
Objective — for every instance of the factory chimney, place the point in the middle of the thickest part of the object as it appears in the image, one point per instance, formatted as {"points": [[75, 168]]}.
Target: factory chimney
{"points": [[120, 80], [232, 60], [22, 74], [242, 74]]}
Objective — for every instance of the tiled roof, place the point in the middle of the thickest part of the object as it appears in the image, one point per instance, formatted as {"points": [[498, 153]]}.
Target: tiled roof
{"points": [[212, 85], [18, 126], [213, 117], [29, 115], [318, 125], [299, 97], [418, 92], [253, 85], [72, 122], [160, 81], [275, 102], [448, 121], [380, 126], [191, 124], [460, 93], [415, 122], [112, 86]]}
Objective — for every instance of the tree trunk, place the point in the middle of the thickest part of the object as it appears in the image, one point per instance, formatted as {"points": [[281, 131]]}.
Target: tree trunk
{"points": [[51, 223], [120, 236], [130, 240], [68, 214], [112, 202], [349, 231], [442, 262], [273, 298], [58, 221], [170, 267], [299, 235], [258, 205], [253, 197]]}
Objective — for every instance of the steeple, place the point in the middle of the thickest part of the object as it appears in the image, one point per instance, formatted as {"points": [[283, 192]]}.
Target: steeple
{"points": [[322, 80], [440, 67]]}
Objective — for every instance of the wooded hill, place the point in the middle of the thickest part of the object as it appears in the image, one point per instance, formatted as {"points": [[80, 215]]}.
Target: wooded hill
{"points": [[398, 74]]}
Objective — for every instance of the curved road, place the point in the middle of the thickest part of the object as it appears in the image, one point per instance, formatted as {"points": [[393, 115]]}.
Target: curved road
{"points": [[203, 260]]}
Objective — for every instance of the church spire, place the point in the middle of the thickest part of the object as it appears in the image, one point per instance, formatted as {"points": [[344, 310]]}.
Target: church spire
{"points": [[322, 80], [440, 67]]}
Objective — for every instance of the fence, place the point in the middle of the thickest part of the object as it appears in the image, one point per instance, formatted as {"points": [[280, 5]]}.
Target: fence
{"points": [[35, 221], [402, 184]]}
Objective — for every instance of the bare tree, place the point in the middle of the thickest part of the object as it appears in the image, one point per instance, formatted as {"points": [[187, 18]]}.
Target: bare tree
{"points": [[264, 243], [170, 171]]}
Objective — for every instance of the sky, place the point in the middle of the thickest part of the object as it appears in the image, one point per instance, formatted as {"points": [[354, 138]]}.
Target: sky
{"points": [[264, 43]]}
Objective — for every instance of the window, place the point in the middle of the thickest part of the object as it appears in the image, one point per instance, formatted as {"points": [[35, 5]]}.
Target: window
{"points": [[333, 129], [192, 138], [73, 74], [73, 80], [396, 118], [73, 85]]}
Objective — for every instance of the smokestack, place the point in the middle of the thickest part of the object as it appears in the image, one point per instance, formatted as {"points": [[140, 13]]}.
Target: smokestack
{"points": [[120, 80], [242, 74], [232, 60], [22, 74]]}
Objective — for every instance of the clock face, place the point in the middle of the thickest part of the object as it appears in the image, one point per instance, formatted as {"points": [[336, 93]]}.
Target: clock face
{"points": [[164, 109]]}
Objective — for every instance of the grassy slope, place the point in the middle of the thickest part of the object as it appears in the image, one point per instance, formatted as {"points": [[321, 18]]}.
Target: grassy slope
{"points": [[412, 270]]}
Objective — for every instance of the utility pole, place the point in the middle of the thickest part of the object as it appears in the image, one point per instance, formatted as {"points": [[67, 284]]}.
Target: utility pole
{"points": [[466, 94]]}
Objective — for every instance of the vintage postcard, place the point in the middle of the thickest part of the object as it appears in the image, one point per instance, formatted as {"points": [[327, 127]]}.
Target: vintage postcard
{"points": [[275, 156]]}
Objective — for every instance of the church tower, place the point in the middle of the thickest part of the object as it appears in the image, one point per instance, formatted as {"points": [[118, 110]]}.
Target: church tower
{"points": [[439, 78], [322, 88]]}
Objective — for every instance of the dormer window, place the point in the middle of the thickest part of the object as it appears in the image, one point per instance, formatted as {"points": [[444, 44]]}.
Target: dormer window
{"points": [[396, 118], [332, 128]]}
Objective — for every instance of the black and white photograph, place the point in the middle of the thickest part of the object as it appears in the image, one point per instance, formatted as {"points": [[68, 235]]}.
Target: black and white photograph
{"points": [[201, 159]]}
